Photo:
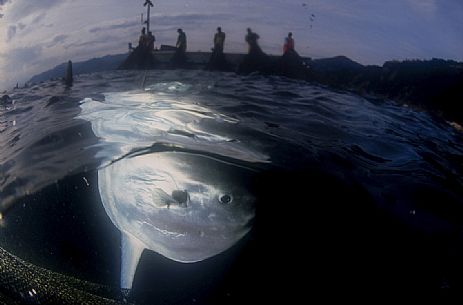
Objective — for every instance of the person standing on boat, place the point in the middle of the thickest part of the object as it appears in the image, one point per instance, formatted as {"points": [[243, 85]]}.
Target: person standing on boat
{"points": [[142, 39], [179, 58], [219, 40], [181, 41], [251, 38], [150, 41], [289, 43], [217, 60]]}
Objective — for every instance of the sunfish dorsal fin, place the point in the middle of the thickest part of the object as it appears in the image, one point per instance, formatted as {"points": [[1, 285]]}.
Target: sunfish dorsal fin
{"points": [[131, 252]]}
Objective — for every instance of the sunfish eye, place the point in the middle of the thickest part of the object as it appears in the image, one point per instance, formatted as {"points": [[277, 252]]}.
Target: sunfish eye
{"points": [[225, 199]]}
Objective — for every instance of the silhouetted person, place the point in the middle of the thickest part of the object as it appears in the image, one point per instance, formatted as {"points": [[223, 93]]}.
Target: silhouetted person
{"points": [[291, 64], [142, 39], [219, 40], [256, 59], [141, 57], [289, 43], [181, 41], [217, 60], [179, 57], [251, 38], [150, 41]]}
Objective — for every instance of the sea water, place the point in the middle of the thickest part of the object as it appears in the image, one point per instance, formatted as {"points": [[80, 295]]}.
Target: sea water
{"points": [[353, 195]]}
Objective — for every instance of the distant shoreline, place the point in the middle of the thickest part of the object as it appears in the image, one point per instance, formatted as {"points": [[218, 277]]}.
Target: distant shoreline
{"points": [[434, 85]]}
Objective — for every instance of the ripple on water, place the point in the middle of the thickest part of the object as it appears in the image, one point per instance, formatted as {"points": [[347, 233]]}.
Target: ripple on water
{"points": [[245, 117]]}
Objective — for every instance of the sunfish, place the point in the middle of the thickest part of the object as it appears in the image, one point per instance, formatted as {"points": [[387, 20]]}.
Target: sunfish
{"points": [[183, 206], [185, 196]]}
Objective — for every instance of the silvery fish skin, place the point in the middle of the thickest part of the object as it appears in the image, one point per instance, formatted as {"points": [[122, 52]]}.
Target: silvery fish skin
{"points": [[187, 201], [186, 208]]}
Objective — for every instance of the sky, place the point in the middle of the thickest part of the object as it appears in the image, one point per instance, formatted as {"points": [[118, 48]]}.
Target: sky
{"points": [[40, 34]]}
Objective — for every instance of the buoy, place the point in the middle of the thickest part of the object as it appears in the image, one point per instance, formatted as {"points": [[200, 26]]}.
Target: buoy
{"points": [[68, 79]]}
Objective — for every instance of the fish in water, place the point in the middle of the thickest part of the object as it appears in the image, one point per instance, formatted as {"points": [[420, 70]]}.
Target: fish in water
{"points": [[182, 206], [185, 195]]}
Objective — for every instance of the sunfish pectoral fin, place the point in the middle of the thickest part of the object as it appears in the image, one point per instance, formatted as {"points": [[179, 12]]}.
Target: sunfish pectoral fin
{"points": [[131, 252], [161, 198]]}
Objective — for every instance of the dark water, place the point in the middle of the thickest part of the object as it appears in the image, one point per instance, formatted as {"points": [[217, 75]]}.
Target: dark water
{"points": [[359, 198]]}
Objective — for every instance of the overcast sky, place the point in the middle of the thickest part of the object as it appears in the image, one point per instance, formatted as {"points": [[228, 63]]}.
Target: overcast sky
{"points": [[36, 35]]}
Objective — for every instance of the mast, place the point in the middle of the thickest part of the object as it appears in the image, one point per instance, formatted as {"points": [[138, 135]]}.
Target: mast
{"points": [[148, 4]]}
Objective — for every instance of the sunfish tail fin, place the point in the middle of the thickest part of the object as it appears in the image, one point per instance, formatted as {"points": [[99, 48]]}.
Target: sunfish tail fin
{"points": [[132, 249]]}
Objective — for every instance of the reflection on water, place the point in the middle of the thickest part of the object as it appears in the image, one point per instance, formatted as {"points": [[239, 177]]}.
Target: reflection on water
{"points": [[185, 205], [372, 189], [131, 120]]}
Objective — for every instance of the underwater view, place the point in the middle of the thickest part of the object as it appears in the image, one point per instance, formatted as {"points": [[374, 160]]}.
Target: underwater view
{"points": [[164, 176]]}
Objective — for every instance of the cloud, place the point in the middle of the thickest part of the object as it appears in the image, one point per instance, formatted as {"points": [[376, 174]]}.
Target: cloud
{"points": [[25, 53], [59, 39], [39, 18], [3, 2], [92, 43], [20, 59], [11, 32], [191, 19], [110, 27], [165, 21], [20, 9]]}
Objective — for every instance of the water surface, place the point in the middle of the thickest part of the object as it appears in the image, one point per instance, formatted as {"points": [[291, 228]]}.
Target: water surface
{"points": [[352, 194]]}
